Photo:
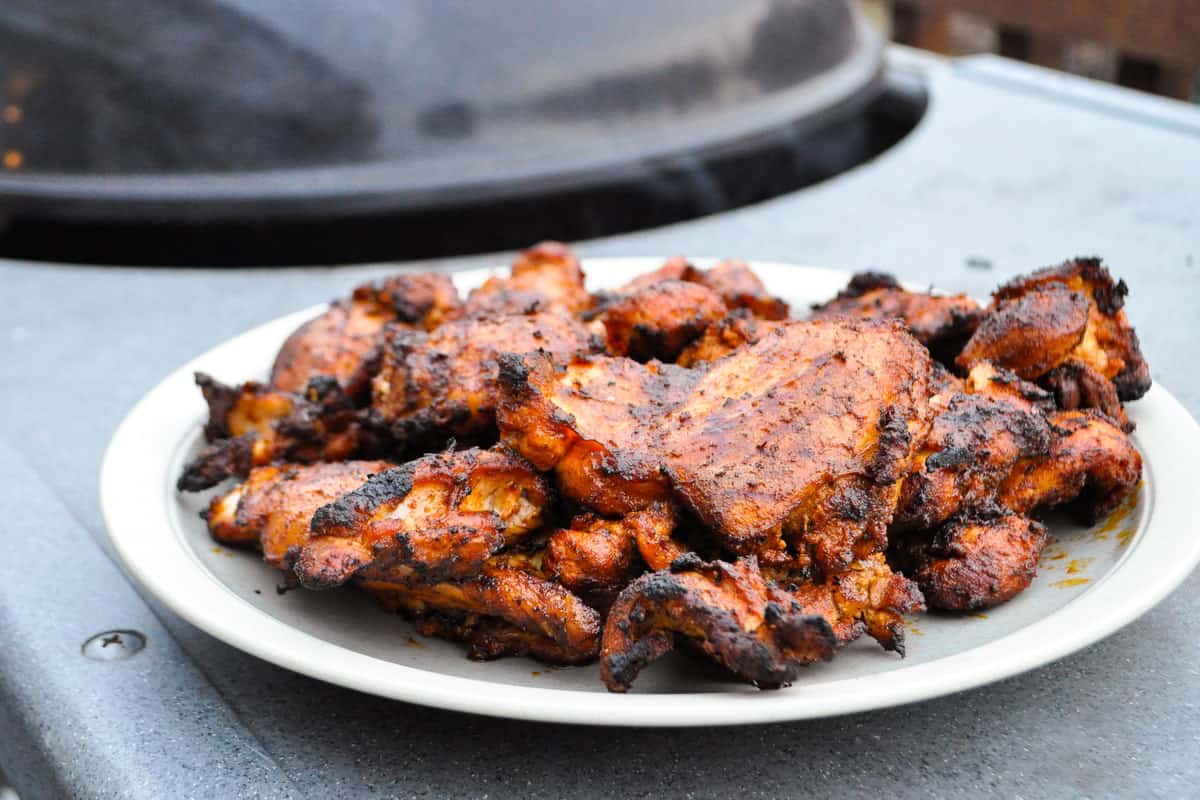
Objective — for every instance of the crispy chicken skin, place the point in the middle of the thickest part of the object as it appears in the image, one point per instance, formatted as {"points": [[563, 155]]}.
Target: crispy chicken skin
{"points": [[658, 321], [545, 278], [802, 439], [251, 425], [272, 509], [440, 516], [443, 383], [593, 421], [557, 625], [1091, 464], [943, 323], [757, 631], [343, 343], [975, 561], [1059, 315], [719, 340]]}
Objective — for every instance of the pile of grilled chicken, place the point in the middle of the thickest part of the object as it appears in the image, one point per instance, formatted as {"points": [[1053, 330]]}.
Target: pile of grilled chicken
{"points": [[539, 470]]}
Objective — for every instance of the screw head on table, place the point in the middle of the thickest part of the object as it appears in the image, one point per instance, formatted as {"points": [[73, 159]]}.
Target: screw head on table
{"points": [[113, 645]]}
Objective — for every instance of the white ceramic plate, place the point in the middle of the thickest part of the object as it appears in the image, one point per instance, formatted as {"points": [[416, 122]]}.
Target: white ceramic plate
{"points": [[1091, 581]]}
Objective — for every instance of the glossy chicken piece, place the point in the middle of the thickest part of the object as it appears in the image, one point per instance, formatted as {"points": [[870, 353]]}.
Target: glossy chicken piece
{"points": [[1092, 465], [653, 530], [343, 343], [972, 447], [544, 278], [596, 556], [975, 561], [595, 422], [943, 323], [250, 426], [754, 629], [739, 287], [733, 281], [719, 340], [272, 509], [802, 439], [658, 321], [1059, 315], [440, 384], [866, 597], [555, 624], [440, 516]]}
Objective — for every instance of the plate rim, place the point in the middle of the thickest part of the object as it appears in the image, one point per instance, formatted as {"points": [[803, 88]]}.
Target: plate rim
{"points": [[133, 502]]}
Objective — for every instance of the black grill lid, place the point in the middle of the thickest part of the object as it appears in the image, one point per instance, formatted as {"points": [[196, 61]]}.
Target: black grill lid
{"points": [[209, 110]]}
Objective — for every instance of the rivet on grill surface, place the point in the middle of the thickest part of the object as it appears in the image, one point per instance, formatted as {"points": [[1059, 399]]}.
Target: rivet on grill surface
{"points": [[113, 645]]}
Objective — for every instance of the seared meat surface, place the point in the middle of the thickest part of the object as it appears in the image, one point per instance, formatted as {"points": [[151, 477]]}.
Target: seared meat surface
{"points": [[343, 343], [273, 507], [975, 561], [943, 323], [658, 321], [508, 607], [442, 515], [251, 425], [441, 384], [544, 278], [801, 439], [595, 422], [1070, 316], [728, 612]]}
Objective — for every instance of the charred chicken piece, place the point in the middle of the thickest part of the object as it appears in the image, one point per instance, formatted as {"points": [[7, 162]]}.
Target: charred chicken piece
{"points": [[658, 321], [739, 287], [343, 343], [1072, 313], [727, 611], [867, 597], [593, 421], [440, 384], [544, 278], [653, 530], [1091, 464], [975, 561], [733, 281], [250, 425], [972, 447], [595, 555], [943, 323], [554, 624], [802, 439], [440, 516], [988, 380], [719, 340], [1076, 385], [272, 509]]}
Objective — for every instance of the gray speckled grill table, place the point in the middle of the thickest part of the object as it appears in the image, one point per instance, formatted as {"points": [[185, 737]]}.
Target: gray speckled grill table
{"points": [[1012, 166]]}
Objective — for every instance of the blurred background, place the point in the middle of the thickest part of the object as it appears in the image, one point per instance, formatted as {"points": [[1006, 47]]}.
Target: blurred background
{"points": [[284, 132], [1151, 45]]}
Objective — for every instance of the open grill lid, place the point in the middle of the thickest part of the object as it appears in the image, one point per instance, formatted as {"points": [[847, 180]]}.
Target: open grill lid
{"points": [[219, 110]]}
